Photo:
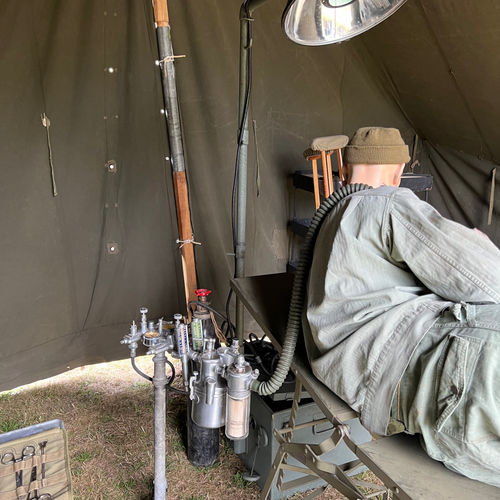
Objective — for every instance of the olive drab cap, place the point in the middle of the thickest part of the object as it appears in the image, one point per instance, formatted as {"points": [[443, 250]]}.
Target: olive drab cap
{"points": [[377, 146]]}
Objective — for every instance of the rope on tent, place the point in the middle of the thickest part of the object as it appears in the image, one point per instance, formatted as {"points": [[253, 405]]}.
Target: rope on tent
{"points": [[168, 59], [46, 124], [181, 243]]}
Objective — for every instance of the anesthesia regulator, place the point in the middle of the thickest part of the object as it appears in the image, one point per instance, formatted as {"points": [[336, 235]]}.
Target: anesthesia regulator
{"points": [[217, 380]]}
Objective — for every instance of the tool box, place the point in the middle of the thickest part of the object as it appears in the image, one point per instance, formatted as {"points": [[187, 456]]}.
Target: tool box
{"points": [[267, 415]]}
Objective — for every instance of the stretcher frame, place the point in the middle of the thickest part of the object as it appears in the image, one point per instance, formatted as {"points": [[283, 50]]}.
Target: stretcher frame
{"points": [[399, 462]]}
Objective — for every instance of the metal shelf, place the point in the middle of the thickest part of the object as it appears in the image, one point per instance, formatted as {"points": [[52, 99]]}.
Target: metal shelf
{"points": [[418, 183]]}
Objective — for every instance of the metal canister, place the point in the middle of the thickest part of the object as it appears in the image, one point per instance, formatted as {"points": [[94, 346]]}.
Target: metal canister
{"points": [[239, 377], [208, 390]]}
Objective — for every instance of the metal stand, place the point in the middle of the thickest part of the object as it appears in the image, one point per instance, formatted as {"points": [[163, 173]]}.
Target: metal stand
{"points": [[159, 381], [160, 415], [220, 380], [310, 456]]}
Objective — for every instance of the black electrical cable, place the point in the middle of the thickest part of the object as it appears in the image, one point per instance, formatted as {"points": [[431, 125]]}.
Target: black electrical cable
{"points": [[171, 379], [258, 360], [177, 391], [225, 328], [147, 377], [255, 344], [141, 373], [172, 369], [203, 304]]}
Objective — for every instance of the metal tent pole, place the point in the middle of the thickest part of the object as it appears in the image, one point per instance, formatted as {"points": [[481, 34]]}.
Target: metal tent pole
{"points": [[246, 11]]}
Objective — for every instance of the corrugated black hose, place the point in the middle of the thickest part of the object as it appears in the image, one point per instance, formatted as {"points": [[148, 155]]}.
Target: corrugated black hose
{"points": [[294, 323]]}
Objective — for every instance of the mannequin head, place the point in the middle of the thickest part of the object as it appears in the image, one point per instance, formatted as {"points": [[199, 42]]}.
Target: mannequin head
{"points": [[376, 156]]}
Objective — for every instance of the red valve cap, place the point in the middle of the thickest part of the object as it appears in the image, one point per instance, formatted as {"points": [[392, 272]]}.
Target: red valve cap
{"points": [[203, 292]]}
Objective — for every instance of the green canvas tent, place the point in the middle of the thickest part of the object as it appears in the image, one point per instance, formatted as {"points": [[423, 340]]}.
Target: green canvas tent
{"points": [[75, 267]]}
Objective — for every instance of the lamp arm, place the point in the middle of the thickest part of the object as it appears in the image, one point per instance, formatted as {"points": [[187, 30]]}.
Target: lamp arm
{"points": [[241, 168], [253, 4]]}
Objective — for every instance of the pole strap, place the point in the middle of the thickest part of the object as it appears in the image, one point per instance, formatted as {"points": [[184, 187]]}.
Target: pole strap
{"points": [[168, 59], [181, 243]]}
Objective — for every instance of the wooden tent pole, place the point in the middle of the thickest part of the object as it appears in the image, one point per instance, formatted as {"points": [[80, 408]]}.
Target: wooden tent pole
{"points": [[176, 147], [160, 8], [203, 444]]}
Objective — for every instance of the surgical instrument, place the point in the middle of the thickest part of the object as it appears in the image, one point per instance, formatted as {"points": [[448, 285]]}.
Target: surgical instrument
{"points": [[9, 458]]}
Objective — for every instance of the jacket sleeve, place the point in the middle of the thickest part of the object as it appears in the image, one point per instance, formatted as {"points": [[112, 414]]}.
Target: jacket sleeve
{"points": [[454, 262]]}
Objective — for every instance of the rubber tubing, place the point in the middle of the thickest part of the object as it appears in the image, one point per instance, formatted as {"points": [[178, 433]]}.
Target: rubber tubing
{"points": [[299, 291]]}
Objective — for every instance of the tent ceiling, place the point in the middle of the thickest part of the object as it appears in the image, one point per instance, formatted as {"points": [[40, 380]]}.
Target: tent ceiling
{"points": [[441, 59]]}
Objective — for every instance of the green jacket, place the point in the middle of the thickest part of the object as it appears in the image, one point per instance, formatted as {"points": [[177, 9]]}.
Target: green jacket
{"points": [[385, 265]]}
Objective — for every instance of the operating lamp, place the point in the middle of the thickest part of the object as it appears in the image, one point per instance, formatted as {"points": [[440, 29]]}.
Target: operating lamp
{"points": [[306, 22], [321, 22]]}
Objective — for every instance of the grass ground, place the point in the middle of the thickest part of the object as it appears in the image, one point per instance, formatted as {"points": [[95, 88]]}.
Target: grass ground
{"points": [[107, 410]]}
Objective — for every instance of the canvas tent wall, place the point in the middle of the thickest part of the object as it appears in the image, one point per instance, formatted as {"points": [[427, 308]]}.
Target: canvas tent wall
{"points": [[439, 61], [65, 298]]}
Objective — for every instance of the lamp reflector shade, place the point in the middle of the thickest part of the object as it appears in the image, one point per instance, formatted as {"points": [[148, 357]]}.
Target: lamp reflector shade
{"points": [[321, 22]]}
